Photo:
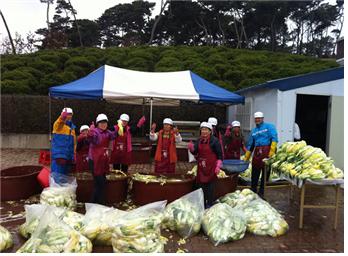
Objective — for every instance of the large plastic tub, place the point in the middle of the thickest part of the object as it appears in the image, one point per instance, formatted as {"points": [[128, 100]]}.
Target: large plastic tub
{"points": [[141, 153], [182, 154], [144, 193], [116, 190], [227, 185], [19, 182]]}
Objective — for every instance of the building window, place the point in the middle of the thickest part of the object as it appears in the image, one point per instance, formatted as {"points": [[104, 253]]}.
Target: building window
{"points": [[244, 113]]}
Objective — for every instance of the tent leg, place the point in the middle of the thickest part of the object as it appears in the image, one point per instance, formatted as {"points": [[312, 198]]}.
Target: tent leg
{"points": [[150, 113]]}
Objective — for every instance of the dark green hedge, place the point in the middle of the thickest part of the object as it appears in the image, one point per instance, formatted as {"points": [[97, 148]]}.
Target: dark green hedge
{"points": [[230, 68]]}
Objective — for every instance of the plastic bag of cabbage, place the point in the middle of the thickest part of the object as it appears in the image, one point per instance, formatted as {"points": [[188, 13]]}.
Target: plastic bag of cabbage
{"points": [[222, 223], [6, 240], [97, 221], [139, 230], [184, 215], [239, 199], [263, 219], [61, 192], [52, 235], [34, 212]]}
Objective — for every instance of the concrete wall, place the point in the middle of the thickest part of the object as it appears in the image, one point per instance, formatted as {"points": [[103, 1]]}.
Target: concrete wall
{"points": [[25, 141], [336, 131]]}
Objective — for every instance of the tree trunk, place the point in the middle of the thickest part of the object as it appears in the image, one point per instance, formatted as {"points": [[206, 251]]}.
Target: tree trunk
{"points": [[222, 31], [8, 32], [163, 6], [76, 23]]}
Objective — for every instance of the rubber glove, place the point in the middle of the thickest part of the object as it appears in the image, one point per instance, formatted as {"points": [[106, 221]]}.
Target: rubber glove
{"points": [[273, 149], [247, 156], [141, 122], [191, 146], [153, 128], [218, 166]]}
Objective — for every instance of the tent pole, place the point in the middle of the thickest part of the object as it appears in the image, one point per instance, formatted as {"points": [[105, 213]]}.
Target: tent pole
{"points": [[151, 113]]}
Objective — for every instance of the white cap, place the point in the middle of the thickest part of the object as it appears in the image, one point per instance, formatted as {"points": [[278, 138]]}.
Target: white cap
{"points": [[207, 125], [213, 121], [84, 127], [235, 124], [124, 117], [258, 115], [102, 117], [68, 110], [168, 121]]}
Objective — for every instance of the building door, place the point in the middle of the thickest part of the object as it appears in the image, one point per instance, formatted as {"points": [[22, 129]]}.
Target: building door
{"points": [[312, 117]]}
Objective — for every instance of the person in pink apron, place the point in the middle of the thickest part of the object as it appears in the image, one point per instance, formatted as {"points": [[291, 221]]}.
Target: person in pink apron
{"points": [[262, 142], [121, 156], [82, 149], [234, 141], [98, 155], [207, 150], [216, 132], [165, 156]]}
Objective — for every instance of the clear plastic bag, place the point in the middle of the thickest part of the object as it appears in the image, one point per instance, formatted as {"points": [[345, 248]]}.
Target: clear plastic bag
{"points": [[61, 194], [185, 214], [97, 223], [6, 239], [263, 219], [139, 231], [34, 212], [52, 235], [221, 223], [239, 199]]}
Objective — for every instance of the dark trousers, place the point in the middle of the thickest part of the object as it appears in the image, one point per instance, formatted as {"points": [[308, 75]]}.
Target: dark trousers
{"points": [[98, 196], [122, 167], [255, 176], [208, 191]]}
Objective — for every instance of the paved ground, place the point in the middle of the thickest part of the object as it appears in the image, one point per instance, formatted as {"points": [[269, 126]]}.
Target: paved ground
{"points": [[317, 235]]}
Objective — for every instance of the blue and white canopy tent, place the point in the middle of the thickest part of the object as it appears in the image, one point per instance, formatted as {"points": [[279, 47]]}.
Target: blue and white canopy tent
{"points": [[137, 87]]}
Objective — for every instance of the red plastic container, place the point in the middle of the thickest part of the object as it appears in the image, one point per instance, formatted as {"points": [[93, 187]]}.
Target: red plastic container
{"points": [[227, 185], [19, 182], [144, 193], [45, 157], [44, 177]]}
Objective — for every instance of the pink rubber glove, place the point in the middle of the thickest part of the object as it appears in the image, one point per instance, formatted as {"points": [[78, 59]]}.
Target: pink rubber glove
{"points": [[91, 129], [153, 127], [228, 131], [64, 115], [218, 166], [191, 146], [116, 127], [141, 122]]}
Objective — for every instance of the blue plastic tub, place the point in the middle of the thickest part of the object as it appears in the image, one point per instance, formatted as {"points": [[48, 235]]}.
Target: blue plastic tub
{"points": [[234, 166]]}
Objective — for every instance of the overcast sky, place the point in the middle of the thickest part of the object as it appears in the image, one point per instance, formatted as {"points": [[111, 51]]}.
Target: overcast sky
{"points": [[23, 16]]}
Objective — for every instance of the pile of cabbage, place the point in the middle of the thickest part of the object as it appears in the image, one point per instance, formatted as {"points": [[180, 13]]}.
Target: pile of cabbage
{"points": [[221, 223], [113, 175], [139, 231], [34, 212], [184, 215], [52, 235], [220, 175], [60, 194], [6, 240], [301, 161], [261, 217], [96, 224], [147, 178], [246, 175]]}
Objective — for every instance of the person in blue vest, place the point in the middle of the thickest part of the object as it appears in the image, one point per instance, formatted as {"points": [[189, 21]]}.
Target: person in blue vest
{"points": [[262, 142], [63, 144]]}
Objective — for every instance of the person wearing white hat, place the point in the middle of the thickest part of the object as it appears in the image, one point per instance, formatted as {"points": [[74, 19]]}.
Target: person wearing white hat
{"points": [[63, 145], [121, 155], [262, 142], [98, 155], [165, 156], [207, 150], [82, 149], [216, 132], [234, 141]]}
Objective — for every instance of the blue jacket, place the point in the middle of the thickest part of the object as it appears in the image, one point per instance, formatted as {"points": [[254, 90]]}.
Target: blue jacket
{"points": [[262, 135], [63, 140]]}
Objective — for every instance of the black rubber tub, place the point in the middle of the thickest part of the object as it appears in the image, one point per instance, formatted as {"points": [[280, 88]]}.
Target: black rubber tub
{"points": [[19, 182], [227, 185]]}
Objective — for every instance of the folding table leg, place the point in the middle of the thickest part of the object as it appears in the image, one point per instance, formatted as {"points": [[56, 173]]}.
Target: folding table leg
{"points": [[301, 205], [336, 206]]}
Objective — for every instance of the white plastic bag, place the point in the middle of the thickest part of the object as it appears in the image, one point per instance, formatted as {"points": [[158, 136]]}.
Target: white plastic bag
{"points": [[184, 215], [6, 239], [52, 235], [61, 194], [222, 223], [191, 157], [239, 199], [97, 223], [139, 231]]}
